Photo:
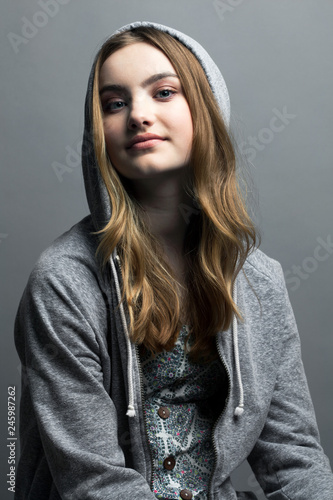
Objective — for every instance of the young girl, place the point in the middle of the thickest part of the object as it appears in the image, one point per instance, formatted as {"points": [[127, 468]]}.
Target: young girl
{"points": [[158, 345]]}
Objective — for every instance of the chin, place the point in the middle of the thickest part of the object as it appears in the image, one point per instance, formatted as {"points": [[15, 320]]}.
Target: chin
{"points": [[148, 170]]}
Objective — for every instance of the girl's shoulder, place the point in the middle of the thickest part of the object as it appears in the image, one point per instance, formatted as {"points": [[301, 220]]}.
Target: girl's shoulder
{"points": [[262, 270], [69, 262], [78, 243]]}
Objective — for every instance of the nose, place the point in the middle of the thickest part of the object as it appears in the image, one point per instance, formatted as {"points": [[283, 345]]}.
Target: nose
{"points": [[140, 114]]}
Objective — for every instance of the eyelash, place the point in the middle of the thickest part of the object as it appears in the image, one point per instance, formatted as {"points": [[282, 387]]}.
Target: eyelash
{"points": [[107, 104], [172, 92]]}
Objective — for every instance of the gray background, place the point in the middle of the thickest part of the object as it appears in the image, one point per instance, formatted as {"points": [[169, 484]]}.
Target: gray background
{"points": [[273, 55]]}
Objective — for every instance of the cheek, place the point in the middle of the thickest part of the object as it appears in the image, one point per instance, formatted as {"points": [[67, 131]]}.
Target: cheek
{"points": [[181, 125], [186, 117], [186, 125]]}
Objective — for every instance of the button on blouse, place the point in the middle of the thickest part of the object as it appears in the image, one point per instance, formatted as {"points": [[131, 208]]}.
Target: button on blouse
{"points": [[169, 463], [163, 412], [186, 494]]}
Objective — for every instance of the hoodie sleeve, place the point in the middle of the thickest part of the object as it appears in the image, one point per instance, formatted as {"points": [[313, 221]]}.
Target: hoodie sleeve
{"points": [[288, 459], [70, 421]]}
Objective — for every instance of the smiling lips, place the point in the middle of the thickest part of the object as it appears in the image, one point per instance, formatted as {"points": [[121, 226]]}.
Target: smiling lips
{"points": [[144, 141]]}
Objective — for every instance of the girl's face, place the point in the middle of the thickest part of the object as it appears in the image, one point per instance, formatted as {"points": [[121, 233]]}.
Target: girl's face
{"points": [[147, 121]]}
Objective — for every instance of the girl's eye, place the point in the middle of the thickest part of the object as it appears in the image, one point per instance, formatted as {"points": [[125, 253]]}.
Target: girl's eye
{"points": [[113, 106], [165, 93]]}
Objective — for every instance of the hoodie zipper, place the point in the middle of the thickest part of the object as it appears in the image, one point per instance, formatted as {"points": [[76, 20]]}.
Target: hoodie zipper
{"points": [[219, 418], [117, 258], [144, 415]]}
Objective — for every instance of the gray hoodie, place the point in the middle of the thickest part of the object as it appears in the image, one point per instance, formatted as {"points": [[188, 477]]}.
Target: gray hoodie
{"points": [[82, 426]]}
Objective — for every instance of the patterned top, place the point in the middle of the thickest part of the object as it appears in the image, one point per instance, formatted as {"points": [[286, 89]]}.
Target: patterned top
{"points": [[180, 413]]}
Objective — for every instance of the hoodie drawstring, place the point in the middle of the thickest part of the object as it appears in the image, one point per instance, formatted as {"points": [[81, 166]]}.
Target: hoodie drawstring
{"points": [[240, 408], [130, 408]]}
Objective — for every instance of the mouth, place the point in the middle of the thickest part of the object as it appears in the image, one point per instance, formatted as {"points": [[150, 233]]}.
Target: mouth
{"points": [[144, 141]]}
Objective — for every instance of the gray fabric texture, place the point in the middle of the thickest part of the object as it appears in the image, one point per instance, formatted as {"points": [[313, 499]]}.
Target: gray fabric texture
{"points": [[77, 442]]}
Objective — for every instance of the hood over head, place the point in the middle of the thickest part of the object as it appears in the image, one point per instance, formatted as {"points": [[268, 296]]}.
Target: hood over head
{"points": [[97, 195]]}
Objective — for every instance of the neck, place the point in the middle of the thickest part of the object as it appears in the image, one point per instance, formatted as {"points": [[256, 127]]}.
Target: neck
{"points": [[165, 203]]}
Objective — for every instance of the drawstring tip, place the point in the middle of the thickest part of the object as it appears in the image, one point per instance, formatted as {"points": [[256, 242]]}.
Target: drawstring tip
{"points": [[239, 411], [130, 411]]}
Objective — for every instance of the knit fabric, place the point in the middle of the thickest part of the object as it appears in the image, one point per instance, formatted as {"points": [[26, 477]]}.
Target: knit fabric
{"points": [[186, 391]]}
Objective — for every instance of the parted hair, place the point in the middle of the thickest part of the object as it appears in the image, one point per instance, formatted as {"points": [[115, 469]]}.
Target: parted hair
{"points": [[220, 233]]}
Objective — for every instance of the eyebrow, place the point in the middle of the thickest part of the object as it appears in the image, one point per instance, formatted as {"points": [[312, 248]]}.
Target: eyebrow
{"points": [[152, 79]]}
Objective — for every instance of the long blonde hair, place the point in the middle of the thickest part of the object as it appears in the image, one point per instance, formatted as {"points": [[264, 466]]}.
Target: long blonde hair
{"points": [[220, 233]]}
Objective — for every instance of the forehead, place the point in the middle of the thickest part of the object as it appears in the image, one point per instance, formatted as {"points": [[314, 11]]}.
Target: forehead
{"points": [[134, 62]]}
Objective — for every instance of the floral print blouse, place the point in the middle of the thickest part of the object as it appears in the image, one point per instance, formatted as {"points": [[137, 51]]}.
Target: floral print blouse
{"points": [[180, 414]]}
